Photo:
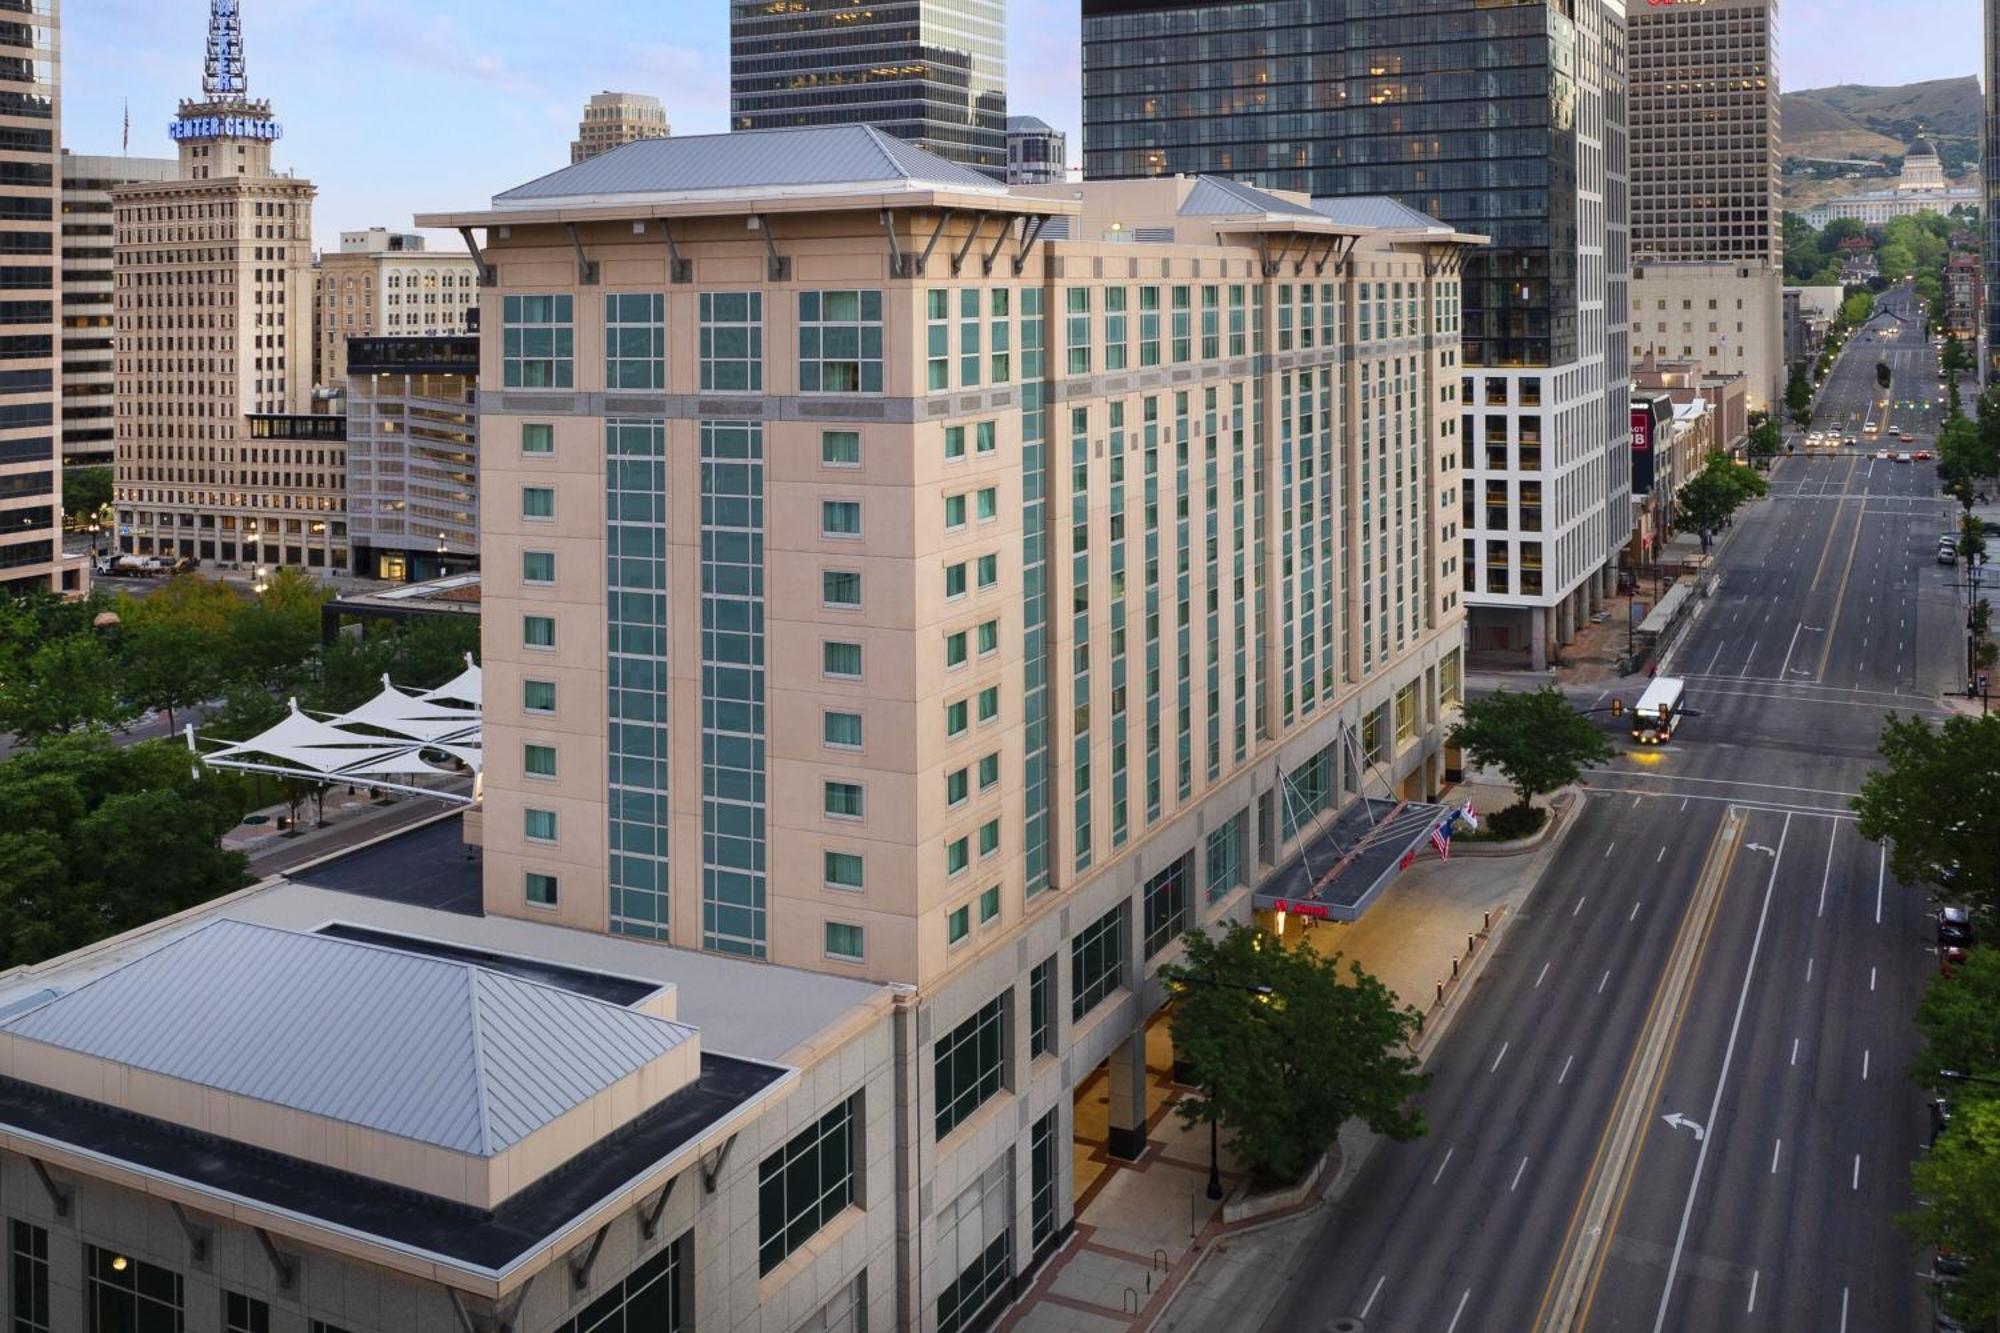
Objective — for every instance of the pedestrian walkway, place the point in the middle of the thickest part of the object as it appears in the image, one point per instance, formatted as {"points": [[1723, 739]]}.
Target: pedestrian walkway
{"points": [[1150, 1249]]}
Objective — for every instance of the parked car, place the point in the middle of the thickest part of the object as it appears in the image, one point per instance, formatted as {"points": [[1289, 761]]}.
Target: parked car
{"points": [[1954, 926]]}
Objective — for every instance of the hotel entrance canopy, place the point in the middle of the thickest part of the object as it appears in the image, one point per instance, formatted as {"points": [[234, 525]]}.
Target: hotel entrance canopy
{"points": [[1350, 859]]}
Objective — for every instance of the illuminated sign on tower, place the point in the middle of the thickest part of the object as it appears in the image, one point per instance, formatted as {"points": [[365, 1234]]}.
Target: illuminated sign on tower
{"points": [[226, 111]]}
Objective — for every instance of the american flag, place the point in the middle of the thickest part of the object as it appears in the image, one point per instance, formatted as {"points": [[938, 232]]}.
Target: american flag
{"points": [[1441, 839]]}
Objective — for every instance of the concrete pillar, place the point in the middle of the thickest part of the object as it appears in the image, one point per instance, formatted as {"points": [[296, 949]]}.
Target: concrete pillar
{"points": [[1127, 1086], [1538, 638], [1565, 628], [1607, 579]]}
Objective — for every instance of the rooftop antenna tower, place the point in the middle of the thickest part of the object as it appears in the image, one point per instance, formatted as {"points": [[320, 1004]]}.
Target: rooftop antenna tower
{"points": [[222, 72]]}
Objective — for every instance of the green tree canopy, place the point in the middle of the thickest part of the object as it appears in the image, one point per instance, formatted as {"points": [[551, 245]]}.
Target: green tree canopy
{"points": [[1764, 443], [1532, 736], [1960, 1184], [1858, 308], [1284, 1048], [86, 490], [1706, 500], [1931, 805]]}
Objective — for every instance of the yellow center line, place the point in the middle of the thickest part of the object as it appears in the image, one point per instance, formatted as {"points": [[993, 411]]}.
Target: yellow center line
{"points": [[1840, 597]]}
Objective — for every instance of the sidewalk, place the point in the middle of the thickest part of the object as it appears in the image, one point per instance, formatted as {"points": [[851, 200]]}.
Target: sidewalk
{"points": [[1150, 1250]]}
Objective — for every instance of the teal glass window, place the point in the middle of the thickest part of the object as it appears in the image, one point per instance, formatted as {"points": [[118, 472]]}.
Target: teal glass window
{"points": [[538, 825], [842, 870], [843, 730], [635, 340], [537, 342], [840, 587], [538, 631], [539, 760], [538, 696], [538, 437], [538, 502], [731, 342], [538, 566], [840, 448], [843, 800], [843, 941], [841, 659], [840, 342]]}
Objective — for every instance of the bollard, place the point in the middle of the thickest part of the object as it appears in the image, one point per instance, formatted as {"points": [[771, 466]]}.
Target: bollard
{"points": [[1469, 941], [1454, 967], [1440, 998], [1486, 921]]}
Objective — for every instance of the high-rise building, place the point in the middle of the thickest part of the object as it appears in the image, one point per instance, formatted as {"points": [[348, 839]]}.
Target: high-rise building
{"points": [[1989, 157], [894, 574], [1506, 120], [413, 456], [1037, 152], [611, 119], [30, 462], [88, 306], [218, 455], [931, 72], [1707, 233], [388, 284]]}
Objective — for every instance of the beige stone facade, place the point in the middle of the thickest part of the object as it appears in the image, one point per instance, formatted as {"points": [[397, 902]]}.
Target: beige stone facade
{"points": [[213, 358], [613, 119], [1729, 316], [30, 461], [388, 284]]}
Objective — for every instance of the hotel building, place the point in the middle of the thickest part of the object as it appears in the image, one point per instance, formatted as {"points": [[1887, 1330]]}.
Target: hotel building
{"points": [[614, 119], [1499, 119]]}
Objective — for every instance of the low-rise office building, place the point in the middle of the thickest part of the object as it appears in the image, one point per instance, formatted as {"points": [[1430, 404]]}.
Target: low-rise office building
{"points": [[382, 283], [875, 586], [413, 456]]}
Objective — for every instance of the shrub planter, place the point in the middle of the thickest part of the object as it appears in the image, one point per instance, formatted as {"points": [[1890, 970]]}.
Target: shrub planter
{"points": [[1244, 1203]]}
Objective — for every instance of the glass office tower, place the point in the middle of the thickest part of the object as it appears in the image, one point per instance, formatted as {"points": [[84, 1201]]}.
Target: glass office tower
{"points": [[30, 468], [933, 72]]}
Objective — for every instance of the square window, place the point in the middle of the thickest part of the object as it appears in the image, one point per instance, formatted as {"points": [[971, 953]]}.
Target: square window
{"points": [[989, 771], [539, 760], [989, 570], [989, 637], [957, 855], [843, 730], [954, 511], [538, 502], [954, 649], [840, 448], [989, 837], [841, 659], [843, 941], [842, 870], [538, 631], [840, 342], [539, 825], [954, 580], [541, 889], [842, 800], [958, 925], [840, 588], [538, 566], [989, 703], [840, 518], [954, 718], [989, 906], [538, 437], [538, 696]]}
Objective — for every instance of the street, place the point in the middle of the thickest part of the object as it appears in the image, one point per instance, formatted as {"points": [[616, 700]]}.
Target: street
{"points": [[1676, 1099]]}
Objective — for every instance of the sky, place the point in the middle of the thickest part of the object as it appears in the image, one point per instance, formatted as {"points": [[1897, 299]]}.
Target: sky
{"points": [[395, 107]]}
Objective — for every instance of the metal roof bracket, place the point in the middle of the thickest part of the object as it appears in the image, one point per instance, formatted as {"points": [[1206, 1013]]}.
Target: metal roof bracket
{"points": [[779, 267], [579, 1269], [1029, 235], [678, 269], [494, 1317], [1443, 259], [931, 244], [649, 1218], [58, 1196], [507, 1317], [197, 1236], [286, 1269], [710, 1172], [971, 235], [465, 1321], [1271, 265], [999, 239], [1335, 250], [895, 251], [488, 275], [586, 267]]}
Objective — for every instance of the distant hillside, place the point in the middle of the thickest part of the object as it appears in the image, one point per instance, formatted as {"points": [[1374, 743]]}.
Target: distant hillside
{"points": [[1855, 120]]}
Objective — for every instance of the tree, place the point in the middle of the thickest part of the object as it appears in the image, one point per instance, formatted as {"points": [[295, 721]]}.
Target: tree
{"points": [[167, 666], [1953, 360], [1284, 1049], [1959, 1182], [1959, 1018], [65, 684], [1799, 393], [1706, 501], [1534, 737], [1764, 443], [1858, 308], [1930, 805], [86, 492]]}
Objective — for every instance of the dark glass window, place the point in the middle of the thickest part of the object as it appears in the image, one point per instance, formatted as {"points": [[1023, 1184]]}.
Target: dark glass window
{"points": [[30, 1278], [1096, 962], [969, 1061], [803, 1185], [646, 1300], [125, 1295]]}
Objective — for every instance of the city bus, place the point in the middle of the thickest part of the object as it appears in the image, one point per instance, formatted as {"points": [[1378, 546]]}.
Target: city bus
{"points": [[1658, 711]]}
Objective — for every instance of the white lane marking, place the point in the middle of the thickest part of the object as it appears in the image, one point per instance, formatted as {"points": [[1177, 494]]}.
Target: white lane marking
{"points": [[1871, 978], [1517, 1175], [1684, 806], [1722, 1080], [1635, 910], [1864, 1066], [1776, 1145], [1795, 1050], [1718, 655], [1809, 965], [1881, 873], [1540, 976], [1579, 905], [1749, 659], [1442, 1165], [1601, 984], [1458, 1312], [1827, 874], [1663, 851], [1498, 1058], [1752, 1307], [1608, 847], [1636, 802], [1565, 1070], [1373, 1294], [1857, 1171], [1843, 1310]]}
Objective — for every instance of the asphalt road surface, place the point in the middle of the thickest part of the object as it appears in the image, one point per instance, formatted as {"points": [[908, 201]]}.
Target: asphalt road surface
{"points": [[1768, 1201]]}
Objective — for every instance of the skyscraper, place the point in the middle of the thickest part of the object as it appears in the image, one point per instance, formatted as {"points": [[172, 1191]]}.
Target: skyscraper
{"points": [[611, 119], [1502, 120], [217, 454], [933, 72], [1707, 234], [30, 462]]}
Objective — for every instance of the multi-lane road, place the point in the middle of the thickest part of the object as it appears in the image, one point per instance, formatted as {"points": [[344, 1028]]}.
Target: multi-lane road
{"points": [[1676, 1098]]}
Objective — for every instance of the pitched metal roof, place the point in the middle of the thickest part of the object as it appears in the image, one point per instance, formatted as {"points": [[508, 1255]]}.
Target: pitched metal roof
{"points": [[1027, 125], [1376, 210], [810, 158], [1214, 195], [424, 1048]]}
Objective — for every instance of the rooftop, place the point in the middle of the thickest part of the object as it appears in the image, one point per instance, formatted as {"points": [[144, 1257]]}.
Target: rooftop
{"points": [[1378, 211]]}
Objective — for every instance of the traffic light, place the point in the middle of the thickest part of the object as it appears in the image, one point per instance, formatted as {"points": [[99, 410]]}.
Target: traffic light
{"points": [[1617, 708]]}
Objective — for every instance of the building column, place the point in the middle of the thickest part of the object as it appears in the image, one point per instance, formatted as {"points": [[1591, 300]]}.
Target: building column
{"points": [[1538, 638], [1126, 1138], [1608, 573], [1565, 614]]}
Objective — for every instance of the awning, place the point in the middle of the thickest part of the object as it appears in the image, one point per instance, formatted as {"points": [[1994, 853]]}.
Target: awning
{"points": [[1351, 859]]}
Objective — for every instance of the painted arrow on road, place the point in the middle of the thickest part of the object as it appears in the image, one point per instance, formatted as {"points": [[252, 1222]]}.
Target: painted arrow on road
{"points": [[1679, 1121], [1760, 847]]}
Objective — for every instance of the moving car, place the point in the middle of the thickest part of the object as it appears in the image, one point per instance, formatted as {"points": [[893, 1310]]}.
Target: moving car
{"points": [[1906, 437], [1903, 457], [1922, 455]]}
